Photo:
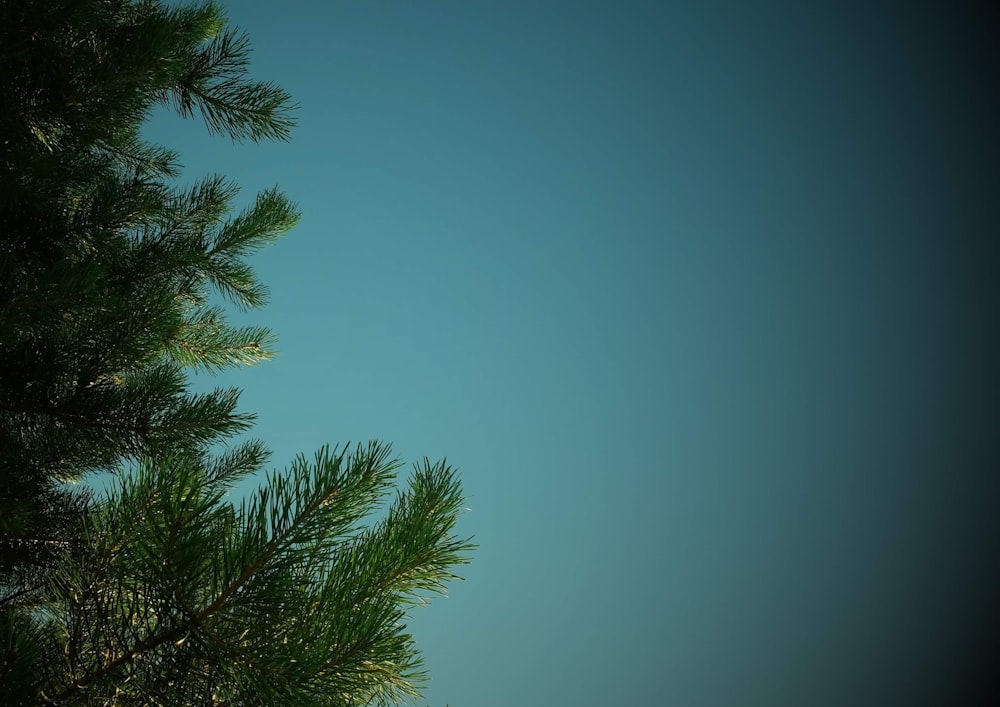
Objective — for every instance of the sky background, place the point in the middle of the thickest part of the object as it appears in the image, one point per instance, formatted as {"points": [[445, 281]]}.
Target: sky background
{"points": [[697, 296]]}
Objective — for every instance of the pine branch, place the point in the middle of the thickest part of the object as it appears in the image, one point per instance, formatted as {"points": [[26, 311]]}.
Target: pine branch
{"points": [[215, 84], [146, 646], [206, 342]]}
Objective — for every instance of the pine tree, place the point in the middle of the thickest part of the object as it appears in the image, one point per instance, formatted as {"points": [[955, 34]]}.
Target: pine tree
{"points": [[161, 591], [104, 280]]}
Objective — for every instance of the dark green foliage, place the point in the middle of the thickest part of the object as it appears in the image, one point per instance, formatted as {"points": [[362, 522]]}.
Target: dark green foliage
{"points": [[283, 600], [106, 267], [161, 591]]}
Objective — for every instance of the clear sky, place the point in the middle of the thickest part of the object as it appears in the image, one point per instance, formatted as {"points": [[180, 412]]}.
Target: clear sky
{"points": [[698, 296]]}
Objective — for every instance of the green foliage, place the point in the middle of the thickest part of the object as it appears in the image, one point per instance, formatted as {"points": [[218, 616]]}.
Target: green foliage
{"points": [[161, 590], [107, 268], [283, 600]]}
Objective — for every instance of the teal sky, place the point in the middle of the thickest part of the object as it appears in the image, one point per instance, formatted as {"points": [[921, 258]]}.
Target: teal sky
{"points": [[698, 296]]}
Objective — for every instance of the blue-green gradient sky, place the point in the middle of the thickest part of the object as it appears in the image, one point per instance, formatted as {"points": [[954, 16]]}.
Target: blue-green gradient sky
{"points": [[698, 296]]}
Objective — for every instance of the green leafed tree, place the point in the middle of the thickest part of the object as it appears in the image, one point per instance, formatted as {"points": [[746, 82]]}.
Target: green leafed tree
{"points": [[161, 589]]}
